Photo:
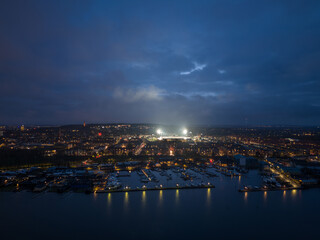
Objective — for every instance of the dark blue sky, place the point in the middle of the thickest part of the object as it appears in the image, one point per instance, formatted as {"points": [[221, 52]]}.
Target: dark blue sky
{"points": [[203, 62]]}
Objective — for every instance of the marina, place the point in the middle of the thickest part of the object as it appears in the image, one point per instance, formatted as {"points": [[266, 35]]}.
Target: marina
{"points": [[132, 177], [92, 179]]}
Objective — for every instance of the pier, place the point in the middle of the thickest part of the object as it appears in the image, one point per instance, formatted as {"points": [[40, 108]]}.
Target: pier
{"points": [[262, 189], [154, 188]]}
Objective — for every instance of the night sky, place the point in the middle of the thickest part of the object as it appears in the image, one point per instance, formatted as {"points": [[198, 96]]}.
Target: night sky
{"points": [[171, 62]]}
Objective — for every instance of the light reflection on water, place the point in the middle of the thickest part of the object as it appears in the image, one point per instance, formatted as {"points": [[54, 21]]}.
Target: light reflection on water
{"points": [[209, 196], [160, 196], [177, 196], [209, 206], [144, 198], [95, 195], [109, 199], [294, 193], [126, 200]]}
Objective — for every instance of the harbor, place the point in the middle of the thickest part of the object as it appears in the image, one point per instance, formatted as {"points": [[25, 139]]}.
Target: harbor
{"points": [[90, 177]]}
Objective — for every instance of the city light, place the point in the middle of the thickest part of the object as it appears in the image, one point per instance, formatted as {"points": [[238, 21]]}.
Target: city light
{"points": [[114, 100]]}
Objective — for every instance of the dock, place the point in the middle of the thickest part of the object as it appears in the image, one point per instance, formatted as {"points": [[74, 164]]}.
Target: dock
{"points": [[153, 189], [262, 189]]}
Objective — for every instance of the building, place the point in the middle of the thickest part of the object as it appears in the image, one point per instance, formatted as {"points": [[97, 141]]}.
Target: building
{"points": [[241, 160], [247, 162]]}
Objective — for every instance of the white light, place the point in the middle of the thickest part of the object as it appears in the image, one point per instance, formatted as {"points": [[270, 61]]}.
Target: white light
{"points": [[185, 131], [159, 131]]}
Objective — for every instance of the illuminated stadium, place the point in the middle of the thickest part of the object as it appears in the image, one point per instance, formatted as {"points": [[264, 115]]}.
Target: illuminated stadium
{"points": [[185, 135]]}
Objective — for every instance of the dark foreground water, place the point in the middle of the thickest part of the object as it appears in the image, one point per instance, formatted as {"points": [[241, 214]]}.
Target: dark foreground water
{"points": [[220, 213]]}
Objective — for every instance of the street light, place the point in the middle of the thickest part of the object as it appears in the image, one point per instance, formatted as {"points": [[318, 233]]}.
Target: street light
{"points": [[185, 131], [159, 131]]}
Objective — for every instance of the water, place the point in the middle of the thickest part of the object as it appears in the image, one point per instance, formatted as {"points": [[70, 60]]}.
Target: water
{"points": [[220, 213]]}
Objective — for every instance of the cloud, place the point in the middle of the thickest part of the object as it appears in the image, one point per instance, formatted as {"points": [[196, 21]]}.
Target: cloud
{"points": [[150, 93], [197, 67], [225, 83], [136, 62], [197, 94]]}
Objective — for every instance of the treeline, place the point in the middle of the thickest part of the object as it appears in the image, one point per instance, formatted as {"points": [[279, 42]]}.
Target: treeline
{"points": [[11, 158]]}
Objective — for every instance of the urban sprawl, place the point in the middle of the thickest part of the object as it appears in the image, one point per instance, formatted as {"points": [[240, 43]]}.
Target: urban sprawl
{"points": [[105, 158]]}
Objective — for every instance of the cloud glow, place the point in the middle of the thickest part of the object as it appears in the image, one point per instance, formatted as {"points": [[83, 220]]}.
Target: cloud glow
{"points": [[197, 67], [150, 93]]}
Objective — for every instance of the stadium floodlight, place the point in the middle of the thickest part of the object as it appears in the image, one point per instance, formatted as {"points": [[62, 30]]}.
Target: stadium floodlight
{"points": [[159, 131], [185, 131]]}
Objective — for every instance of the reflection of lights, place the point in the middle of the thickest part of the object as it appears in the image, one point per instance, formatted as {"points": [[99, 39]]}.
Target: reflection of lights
{"points": [[126, 198], [177, 194], [160, 196], [208, 195], [143, 197], [265, 195], [294, 192], [109, 198], [245, 196], [284, 194]]}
